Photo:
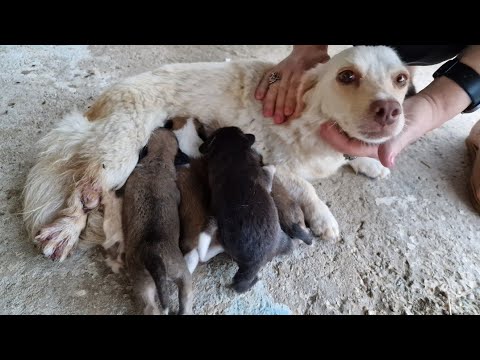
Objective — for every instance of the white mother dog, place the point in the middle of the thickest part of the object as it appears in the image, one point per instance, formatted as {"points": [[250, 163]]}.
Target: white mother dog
{"points": [[88, 155]]}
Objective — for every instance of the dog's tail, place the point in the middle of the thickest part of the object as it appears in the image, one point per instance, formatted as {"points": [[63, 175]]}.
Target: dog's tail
{"points": [[285, 245], [156, 267], [296, 231], [50, 180]]}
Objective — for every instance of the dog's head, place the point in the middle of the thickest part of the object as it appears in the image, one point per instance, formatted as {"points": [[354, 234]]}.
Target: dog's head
{"points": [[227, 138], [362, 90]]}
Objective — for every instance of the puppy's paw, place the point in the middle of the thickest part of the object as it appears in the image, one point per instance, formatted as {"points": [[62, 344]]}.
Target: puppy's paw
{"points": [[326, 227], [58, 239], [115, 264], [243, 286], [369, 167], [153, 310]]}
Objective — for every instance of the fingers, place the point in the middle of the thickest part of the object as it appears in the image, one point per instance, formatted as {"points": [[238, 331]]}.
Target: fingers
{"points": [[291, 98], [301, 89], [270, 100], [283, 88], [262, 87], [344, 144], [386, 155]]}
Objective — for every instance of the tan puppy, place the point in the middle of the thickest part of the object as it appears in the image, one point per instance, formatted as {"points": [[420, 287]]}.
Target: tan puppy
{"points": [[152, 227]]}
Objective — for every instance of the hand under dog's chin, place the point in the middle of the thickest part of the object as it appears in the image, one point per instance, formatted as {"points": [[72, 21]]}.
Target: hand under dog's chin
{"points": [[372, 135]]}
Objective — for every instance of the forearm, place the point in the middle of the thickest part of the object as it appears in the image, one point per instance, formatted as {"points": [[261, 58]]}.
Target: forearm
{"points": [[447, 99], [309, 49]]}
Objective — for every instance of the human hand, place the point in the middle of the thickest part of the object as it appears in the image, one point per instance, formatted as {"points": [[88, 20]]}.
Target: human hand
{"points": [[419, 119], [280, 98]]}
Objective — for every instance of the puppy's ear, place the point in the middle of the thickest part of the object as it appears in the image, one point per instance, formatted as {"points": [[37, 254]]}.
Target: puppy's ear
{"points": [[181, 158], [143, 153], [203, 148], [201, 132], [250, 138]]}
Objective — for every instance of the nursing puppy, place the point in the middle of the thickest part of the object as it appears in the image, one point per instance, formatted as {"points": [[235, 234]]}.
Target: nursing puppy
{"points": [[198, 240], [152, 228], [246, 215], [198, 235]]}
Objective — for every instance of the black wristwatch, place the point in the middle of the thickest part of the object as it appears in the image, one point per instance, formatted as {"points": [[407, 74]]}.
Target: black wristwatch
{"points": [[467, 78]]}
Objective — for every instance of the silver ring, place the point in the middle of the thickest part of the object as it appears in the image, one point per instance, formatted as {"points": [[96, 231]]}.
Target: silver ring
{"points": [[274, 77], [349, 157]]}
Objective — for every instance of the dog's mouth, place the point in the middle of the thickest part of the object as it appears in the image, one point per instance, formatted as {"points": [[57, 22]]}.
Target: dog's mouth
{"points": [[365, 136]]}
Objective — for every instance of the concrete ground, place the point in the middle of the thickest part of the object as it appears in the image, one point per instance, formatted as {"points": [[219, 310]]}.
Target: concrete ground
{"points": [[411, 243]]}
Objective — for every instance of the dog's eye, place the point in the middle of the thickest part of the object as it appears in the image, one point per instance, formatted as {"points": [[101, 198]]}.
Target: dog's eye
{"points": [[401, 79], [346, 77]]}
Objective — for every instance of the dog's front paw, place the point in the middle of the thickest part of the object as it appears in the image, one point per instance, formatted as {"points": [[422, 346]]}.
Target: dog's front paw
{"points": [[369, 167], [326, 227], [58, 239]]}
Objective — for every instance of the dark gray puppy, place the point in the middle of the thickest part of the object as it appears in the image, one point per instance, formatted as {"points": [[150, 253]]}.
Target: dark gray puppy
{"points": [[247, 218]]}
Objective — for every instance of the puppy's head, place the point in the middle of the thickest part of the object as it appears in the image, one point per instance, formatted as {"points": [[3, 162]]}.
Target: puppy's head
{"points": [[362, 90], [162, 143], [190, 132], [227, 138]]}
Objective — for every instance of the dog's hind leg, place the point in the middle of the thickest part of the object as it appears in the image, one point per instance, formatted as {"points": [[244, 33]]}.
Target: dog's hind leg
{"points": [[112, 228], [185, 294], [102, 163], [147, 292], [317, 214], [58, 238]]}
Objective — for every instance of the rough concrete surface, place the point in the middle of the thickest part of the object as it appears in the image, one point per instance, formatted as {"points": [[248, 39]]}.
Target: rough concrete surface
{"points": [[410, 243]]}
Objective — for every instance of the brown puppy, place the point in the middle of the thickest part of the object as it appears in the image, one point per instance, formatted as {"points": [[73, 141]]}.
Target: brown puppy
{"points": [[151, 226], [198, 239]]}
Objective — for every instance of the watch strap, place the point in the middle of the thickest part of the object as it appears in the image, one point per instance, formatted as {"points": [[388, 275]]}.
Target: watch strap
{"points": [[467, 78]]}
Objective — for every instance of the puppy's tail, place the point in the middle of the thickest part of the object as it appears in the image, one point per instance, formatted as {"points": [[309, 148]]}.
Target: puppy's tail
{"points": [[285, 245], [156, 267], [296, 231]]}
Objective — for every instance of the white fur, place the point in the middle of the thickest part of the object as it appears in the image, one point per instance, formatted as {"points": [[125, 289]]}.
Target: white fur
{"points": [[369, 167], [204, 241], [192, 259], [149, 295], [213, 251], [105, 150], [270, 170], [188, 139]]}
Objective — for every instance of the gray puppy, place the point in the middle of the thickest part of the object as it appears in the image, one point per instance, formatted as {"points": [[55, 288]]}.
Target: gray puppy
{"points": [[151, 226]]}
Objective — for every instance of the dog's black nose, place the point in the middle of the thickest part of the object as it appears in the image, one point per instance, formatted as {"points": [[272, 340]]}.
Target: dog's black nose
{"points": [[386, 112]]}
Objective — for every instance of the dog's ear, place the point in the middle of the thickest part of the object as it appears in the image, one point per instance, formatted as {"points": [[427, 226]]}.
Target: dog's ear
{"points": [[250, 138]]}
